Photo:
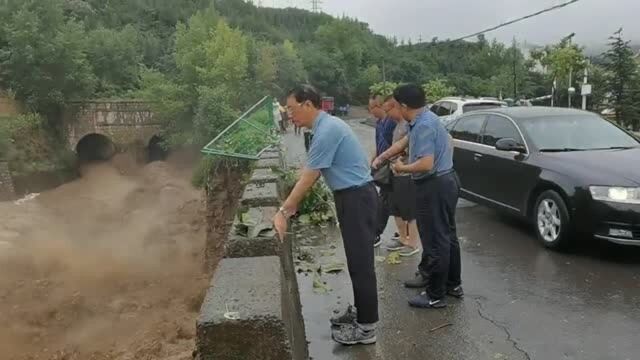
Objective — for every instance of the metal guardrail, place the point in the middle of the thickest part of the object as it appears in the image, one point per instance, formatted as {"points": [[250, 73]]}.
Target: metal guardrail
{"points": [[212, 148]]}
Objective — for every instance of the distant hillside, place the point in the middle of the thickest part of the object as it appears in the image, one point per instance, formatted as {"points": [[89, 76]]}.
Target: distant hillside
{"points": [[272, 24]]}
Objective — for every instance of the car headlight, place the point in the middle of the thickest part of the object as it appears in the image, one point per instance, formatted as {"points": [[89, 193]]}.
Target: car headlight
{"points": [[627, 195]]}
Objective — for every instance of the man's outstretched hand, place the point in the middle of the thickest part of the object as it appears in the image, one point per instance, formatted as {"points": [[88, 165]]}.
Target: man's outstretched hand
{"points": [[280, 224]]}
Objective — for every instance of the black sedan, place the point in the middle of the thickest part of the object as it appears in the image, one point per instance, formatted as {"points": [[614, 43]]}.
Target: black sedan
{"points": [[572, 173]]}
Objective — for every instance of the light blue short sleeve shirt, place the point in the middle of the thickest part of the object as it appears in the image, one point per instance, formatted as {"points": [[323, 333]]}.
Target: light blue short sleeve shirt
{"points": [[428, 137], [337, 153]]}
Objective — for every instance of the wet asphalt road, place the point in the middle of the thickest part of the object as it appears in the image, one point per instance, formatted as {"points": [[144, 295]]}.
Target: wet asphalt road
{"points": [[522, 301]]}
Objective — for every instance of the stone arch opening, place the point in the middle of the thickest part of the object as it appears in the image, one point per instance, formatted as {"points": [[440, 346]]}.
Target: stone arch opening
{"points": [[95, 147], [157, 149]]}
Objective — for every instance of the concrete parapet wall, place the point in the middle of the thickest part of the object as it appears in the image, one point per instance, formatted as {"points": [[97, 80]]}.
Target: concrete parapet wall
{"points": [[253, 245], [263, 176], [257, 280], [241, 317], [268, 163], [259, 195]]}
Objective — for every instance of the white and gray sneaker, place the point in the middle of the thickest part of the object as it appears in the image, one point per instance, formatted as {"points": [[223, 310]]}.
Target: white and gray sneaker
{"points": [[408, 251], [394, 245], [353, 334], [347, 317]]}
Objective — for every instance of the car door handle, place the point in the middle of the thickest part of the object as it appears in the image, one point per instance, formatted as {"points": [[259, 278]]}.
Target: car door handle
{"points": [[477, 156]]}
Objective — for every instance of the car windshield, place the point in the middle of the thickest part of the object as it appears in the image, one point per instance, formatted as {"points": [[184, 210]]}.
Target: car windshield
{"points": [[479, 106], [576, 133]]}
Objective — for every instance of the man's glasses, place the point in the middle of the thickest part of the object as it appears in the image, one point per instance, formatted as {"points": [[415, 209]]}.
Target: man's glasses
{"points": [[290, 108]]}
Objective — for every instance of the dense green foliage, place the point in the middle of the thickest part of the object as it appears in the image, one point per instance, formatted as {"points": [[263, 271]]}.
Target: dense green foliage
{"points": [[623, 80], [202, 62], [29, 148], [317, 206]]}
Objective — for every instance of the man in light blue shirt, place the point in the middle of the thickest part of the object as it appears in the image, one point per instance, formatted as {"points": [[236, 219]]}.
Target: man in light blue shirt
{"points": [[336, 154]]}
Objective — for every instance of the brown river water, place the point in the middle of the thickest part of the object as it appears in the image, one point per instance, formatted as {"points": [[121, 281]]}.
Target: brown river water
{"points": [[108, 266]]}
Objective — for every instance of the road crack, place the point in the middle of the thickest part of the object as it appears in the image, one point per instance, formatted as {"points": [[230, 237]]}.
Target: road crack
{"points": [[510, 338]]}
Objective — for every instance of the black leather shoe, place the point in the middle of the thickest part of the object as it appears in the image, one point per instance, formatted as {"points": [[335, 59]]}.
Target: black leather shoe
{"points": [[423, 301], [419, 282]]}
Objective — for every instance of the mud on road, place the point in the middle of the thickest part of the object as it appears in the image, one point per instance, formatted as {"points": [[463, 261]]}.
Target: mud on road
{"points": [[106, 267]]}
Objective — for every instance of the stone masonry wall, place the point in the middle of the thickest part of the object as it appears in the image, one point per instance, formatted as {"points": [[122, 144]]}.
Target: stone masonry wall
{"points": [[7, 191], [124, 122]]}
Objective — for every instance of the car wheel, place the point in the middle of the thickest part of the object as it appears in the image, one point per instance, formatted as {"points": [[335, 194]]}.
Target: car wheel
{"points": [[551, 219]]}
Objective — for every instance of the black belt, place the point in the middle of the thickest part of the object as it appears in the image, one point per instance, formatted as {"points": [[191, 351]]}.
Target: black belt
{"points": [[434, 176], [352, 188]]}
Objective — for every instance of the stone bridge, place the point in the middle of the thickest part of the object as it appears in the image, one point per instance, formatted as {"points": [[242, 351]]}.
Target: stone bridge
{"points": [[104, 127]]}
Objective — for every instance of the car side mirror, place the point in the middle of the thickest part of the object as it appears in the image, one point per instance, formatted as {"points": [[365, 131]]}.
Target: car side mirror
{"points": [[509, 144]]}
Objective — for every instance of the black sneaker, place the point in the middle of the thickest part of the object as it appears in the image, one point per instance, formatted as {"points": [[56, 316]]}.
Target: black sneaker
{"points": [[349, 316], [456, 292], [377, 242], [352, 334], [419, 282], [423, 301]]}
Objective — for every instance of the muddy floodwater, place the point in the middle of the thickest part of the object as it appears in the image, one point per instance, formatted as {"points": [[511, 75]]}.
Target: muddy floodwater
{"points": [[108, 266]]}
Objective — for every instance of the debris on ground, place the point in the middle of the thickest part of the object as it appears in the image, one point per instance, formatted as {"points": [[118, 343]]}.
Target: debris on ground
{"points": [[440, 327], [394, 258], [320, 286], [333, 267]]}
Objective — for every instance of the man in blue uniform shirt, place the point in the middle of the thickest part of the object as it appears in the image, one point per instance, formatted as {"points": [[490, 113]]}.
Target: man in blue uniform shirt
{"points": [[385, 127], [336, 154], [437, 188]]}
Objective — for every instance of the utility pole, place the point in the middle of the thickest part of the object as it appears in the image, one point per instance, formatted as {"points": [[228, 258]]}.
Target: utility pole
{"points": [[515, 74], [586, 89], [571, 90], [384, 72], [570, 87], [315, 6], [553, 91]]}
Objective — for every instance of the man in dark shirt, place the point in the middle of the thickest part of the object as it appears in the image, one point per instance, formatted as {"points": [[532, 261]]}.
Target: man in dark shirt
{"points": [[384, 138]]}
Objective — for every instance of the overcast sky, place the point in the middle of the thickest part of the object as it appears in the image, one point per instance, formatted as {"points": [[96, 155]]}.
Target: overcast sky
{"points": [[592, 20]]}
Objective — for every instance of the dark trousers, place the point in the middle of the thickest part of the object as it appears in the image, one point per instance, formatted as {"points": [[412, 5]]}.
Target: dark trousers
{"points": [[436, 218], [357, 216], [384, 210]]}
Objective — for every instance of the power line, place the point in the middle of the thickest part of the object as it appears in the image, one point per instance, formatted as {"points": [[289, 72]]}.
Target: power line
{"points": [[556, 7]]}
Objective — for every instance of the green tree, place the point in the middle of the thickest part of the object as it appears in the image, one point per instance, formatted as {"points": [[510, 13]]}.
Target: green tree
{"points": [[291, 71], [562, 61], [368, 77], [623, 80], [266, 68], [383, 89], [115, 56], [212, 69], [43, 57], [438, 89]]}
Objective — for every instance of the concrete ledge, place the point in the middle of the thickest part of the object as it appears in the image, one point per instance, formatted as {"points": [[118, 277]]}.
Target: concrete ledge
{"points": [[249, 288], [271, 154], [238, 246], [263, 176], [259, 195], [268, 163]]}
